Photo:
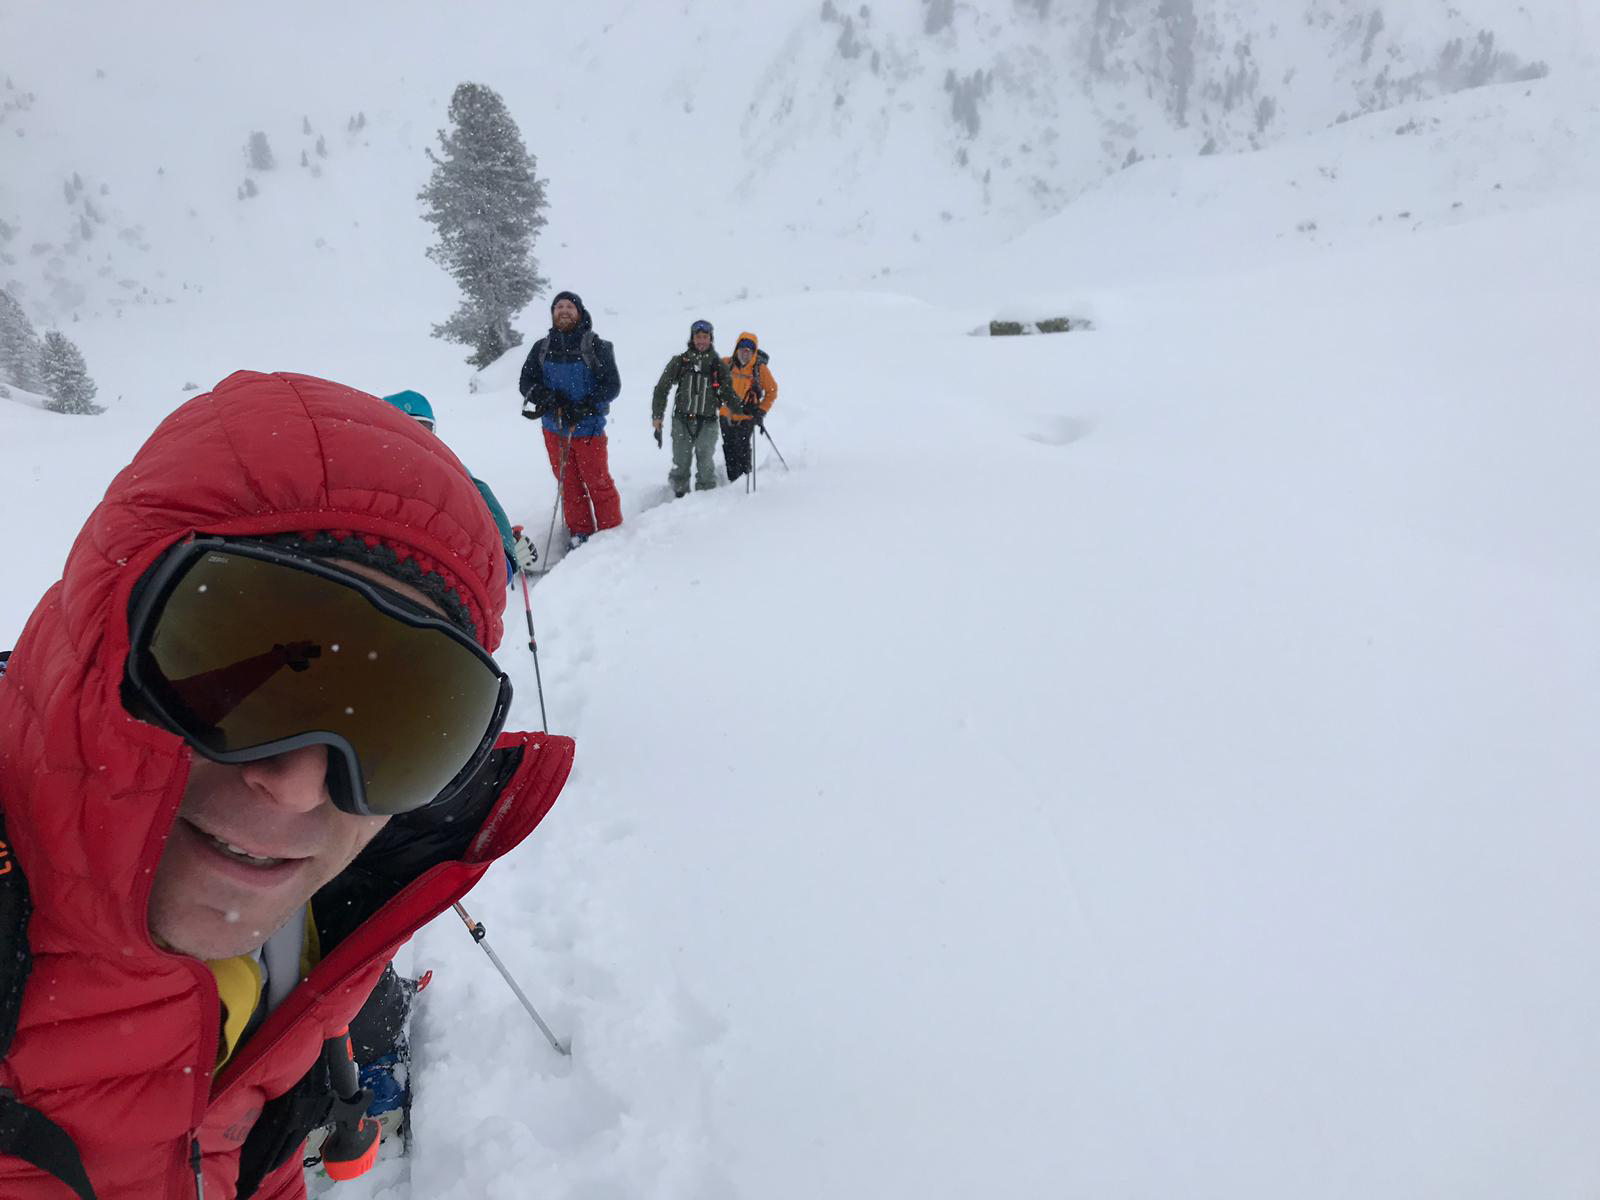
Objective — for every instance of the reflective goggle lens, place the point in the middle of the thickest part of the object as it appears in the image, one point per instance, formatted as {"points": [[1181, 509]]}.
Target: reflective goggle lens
{"points": [[247, 653]]}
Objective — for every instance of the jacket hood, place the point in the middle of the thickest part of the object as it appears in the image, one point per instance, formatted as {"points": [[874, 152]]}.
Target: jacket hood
{"points": [[746, 336], [271, 454], [87, 788]]}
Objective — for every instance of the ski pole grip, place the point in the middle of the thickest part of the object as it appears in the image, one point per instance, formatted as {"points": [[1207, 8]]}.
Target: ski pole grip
{"points": [[475, 928]]}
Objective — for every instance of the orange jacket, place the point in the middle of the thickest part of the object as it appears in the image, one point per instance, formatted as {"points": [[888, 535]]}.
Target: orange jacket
{"points": [[757, 372]]}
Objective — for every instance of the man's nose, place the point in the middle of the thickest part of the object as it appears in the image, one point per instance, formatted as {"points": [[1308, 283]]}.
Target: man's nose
{"points": [[295, 780]]}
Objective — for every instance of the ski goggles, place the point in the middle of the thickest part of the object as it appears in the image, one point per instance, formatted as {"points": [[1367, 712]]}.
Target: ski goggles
{"points": [[701, 327], [247, 651]]}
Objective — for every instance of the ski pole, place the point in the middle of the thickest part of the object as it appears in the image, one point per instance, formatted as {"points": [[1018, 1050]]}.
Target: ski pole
{"points": [[561, 483], [775, 449], [533, 645], [475, 928], [757, 420]]}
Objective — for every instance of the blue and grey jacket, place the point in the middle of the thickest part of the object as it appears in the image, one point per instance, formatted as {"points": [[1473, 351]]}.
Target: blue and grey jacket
{"points": [[567, 369]]}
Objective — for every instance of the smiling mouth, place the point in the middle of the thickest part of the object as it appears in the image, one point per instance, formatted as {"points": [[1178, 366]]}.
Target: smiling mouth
{"points": [[238, 853]]}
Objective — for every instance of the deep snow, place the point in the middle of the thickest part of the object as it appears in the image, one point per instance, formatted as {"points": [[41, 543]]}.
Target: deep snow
{"points": [[1150, 762]]}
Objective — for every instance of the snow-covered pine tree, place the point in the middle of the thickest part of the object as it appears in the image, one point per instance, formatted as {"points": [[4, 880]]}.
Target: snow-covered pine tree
{"points": [[258, 152], [20, 348], [484, 200], [66, 377]]}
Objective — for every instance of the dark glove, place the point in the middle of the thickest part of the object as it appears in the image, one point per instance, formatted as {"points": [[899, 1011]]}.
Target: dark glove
{"points": [[580, 410], [758, 416], [534, 409], [658, 437]]}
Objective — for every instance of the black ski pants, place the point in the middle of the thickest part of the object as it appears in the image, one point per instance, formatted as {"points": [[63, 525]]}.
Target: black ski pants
{"points": [[736, 437]]}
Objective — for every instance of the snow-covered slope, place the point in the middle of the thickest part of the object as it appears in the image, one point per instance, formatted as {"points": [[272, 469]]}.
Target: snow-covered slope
{"points": [[1381, 180], [1151, 762]]}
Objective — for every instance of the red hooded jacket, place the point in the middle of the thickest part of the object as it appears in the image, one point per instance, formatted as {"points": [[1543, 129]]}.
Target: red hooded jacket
{"points": [[117, 1038]]}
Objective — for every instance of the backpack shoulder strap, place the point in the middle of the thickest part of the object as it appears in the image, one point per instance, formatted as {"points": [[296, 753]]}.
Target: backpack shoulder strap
{"points": [[25, 1132], [16, 906], [586, 352]]}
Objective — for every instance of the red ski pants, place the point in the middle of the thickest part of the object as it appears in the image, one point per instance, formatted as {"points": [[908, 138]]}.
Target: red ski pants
{"points": [[589, 499]]}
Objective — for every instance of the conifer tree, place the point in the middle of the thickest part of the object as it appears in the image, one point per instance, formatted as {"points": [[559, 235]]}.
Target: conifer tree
{"points": [[258, 152], [484, 200], [20, 348], [66, 377]]}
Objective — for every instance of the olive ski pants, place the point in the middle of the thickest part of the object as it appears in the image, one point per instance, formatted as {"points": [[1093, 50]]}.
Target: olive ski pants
{"points": [[696, 438]]}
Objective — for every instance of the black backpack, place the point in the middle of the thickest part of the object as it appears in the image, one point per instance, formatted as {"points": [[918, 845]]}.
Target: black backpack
{"points": [[585, 352]]}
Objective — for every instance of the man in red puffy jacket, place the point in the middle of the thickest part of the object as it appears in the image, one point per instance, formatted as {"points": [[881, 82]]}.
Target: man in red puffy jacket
{"points": [[249, 743]]}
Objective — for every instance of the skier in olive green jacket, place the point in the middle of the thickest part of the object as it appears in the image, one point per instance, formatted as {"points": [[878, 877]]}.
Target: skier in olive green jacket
{"points": [[704, 385]]}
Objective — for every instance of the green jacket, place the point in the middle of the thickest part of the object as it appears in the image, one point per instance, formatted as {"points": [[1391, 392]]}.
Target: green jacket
{"points": [[704, 385]]}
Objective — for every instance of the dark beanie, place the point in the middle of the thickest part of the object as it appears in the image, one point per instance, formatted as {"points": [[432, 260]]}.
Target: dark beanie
{"points": [[396, 560], [577, 301]]}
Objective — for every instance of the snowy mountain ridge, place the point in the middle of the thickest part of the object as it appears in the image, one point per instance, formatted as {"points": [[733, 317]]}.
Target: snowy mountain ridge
{"points": [[804, 128], [1029, 103]]}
